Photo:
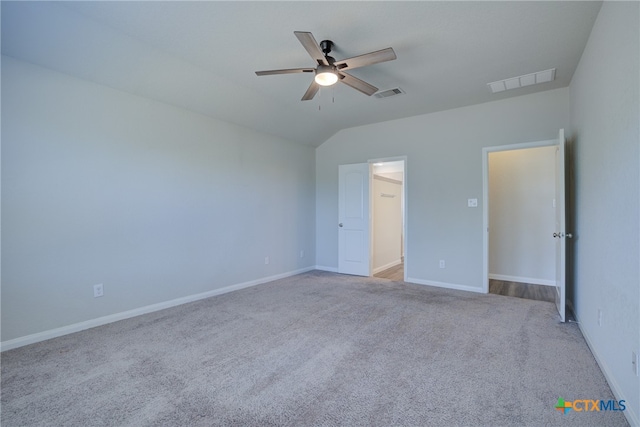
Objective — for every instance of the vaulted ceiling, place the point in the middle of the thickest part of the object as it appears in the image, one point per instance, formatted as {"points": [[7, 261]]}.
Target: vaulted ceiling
{"points": [[203, 55]]}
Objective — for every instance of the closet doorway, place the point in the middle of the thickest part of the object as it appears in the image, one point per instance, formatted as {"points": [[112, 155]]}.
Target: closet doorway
{"points": [[521, 212], [388, 220]]}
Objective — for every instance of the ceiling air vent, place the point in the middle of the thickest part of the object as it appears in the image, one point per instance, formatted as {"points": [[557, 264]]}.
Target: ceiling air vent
{"points": [[522, 81], [388, 93]]}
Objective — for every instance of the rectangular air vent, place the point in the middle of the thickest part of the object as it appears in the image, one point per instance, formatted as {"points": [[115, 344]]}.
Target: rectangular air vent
{"points": [[388, 93], [522, 81]]}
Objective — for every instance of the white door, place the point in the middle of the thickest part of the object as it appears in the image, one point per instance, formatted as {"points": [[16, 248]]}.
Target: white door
{"points": [[560, 231], [353, 219]]}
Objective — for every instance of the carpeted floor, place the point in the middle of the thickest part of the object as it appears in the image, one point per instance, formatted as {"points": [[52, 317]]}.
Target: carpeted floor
{"points": [[314, 349]]}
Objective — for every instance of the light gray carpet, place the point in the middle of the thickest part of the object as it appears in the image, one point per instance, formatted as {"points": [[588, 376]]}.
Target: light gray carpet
{"points": [[314, 349]]}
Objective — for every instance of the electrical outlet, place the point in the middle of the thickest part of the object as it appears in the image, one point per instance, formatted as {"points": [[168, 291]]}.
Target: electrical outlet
{"points": [[98, 291], [301, 254], [472, 203], [266, 260], [599, 317], [634, 362], [441, 263]]}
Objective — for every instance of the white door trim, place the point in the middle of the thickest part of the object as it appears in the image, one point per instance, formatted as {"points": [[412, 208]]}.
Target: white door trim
{"points": [[405, 207], [485, 197], [560, 227]]}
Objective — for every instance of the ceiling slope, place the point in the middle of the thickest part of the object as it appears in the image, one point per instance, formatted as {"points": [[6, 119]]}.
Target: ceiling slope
{"points": [[203, 55]]}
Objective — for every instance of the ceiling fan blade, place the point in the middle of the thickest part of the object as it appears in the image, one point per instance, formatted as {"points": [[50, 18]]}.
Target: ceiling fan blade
{"points": [[311, 92], [358, 84], [285, 71], [367, 59], [311, 45]]}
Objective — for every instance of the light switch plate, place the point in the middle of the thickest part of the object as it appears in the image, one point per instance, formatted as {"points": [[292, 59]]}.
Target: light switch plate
{"points": [[472, 203]]}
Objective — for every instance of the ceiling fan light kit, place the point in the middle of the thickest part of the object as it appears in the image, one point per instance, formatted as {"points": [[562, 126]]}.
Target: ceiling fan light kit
{"points": [[329, 71], [326, 75]]}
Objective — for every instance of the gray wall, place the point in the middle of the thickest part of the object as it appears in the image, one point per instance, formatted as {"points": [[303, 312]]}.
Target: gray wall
{"points": [[606, 143], [153, 201], [444, 169]]}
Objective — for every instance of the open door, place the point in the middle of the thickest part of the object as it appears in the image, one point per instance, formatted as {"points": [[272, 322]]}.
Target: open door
{"points": [[560, 231], [353, 219]]}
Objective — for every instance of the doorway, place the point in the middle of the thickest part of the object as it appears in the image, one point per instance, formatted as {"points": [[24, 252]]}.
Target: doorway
{"points": [[362, 249], [387, 230], [523, 189], [521, 209]]}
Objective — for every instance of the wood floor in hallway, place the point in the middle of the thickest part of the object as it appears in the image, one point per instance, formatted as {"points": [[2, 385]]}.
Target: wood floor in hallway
{"points": [[522, 290], [497, 287], [395, 273]]}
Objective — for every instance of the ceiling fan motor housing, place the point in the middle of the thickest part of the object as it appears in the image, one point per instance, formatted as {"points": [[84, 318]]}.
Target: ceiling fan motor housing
{"points": [[326, 46]]}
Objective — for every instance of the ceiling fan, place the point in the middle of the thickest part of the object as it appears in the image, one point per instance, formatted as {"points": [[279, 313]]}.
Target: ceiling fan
{"points": [[328, 70]]}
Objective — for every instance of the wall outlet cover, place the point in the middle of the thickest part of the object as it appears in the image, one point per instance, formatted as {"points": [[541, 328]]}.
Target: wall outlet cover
{"points": [[98, 291]]}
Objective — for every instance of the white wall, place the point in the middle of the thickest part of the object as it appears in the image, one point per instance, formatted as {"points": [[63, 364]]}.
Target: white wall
{"points": [[522, 215], [444, 169], [153, 201], [606, 142], [387, 223]]}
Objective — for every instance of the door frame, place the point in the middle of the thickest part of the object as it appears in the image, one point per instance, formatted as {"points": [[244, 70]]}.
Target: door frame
{"points": [[405, 210], [485, 196]]}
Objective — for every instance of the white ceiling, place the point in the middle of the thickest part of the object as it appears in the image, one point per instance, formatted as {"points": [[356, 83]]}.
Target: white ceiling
{"points": [[203, 55]]}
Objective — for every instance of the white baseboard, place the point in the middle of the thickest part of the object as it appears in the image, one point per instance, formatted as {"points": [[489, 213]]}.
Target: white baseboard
{"points": [[445, 285], [386, 266], [519, 279], [325, 268], [633, 417], [77, 327]]}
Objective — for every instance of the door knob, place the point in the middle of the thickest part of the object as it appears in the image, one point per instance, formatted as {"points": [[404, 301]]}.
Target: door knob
{"points": [[340, 225], [560, 235]]}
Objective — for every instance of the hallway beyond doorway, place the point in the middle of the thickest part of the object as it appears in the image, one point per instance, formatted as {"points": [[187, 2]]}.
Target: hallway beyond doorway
{"points": [[395, 273], [522, 290]]}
